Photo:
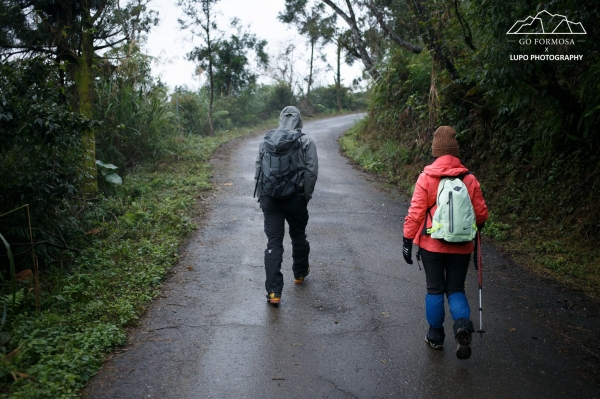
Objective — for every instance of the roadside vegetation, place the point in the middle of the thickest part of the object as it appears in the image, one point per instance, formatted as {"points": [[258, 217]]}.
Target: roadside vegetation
{"points": [[104, 169], [529, 130]]}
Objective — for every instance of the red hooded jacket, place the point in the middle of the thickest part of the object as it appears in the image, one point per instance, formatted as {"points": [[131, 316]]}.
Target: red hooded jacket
{"points": [[424, 198]]}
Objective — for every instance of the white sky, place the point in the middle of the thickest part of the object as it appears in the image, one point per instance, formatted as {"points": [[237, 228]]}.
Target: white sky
{"points": [[170, 45]]}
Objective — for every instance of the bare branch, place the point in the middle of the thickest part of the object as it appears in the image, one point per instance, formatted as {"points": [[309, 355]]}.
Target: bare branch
{"points": [[110, 44], [28, 49], [99, 11], [360, 44]]}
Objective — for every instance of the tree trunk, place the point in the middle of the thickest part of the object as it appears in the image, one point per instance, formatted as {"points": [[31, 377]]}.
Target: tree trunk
{"points": [[310, 72], [291, 83], [211, 79], [435, 39], [338, 81], [211, 129], [84, 83]]}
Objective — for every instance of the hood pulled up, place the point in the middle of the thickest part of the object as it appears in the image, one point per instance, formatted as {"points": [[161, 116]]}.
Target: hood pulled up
{"points": [[290, 119]]}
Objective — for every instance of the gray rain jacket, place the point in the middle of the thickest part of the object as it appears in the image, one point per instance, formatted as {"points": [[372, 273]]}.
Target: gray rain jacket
{"points": [[291, 120]]}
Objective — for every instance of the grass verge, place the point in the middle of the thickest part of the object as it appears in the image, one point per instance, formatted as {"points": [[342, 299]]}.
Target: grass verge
{"points": [[131, 239]]}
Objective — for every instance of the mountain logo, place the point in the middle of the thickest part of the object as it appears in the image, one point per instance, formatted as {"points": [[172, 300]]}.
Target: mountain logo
{"points": [[545, 23]]}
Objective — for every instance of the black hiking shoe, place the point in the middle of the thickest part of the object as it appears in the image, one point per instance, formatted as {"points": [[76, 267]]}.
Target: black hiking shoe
{"points": [[437, 345], [274, 298], [435, 338], [463, 343]]}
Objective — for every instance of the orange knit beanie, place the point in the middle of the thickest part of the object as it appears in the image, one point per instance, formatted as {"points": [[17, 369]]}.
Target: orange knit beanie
{"points": [[444, 142]]}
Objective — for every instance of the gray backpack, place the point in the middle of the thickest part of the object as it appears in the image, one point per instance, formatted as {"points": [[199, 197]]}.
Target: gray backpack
{"points": [[280, 172], [454, 219]]}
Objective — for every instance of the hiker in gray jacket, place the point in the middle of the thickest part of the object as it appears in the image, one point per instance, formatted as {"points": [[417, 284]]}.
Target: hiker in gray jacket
{"points": [[286, 173]]}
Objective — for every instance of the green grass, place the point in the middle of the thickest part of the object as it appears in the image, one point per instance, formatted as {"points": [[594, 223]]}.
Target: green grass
{"points": [[362, 153], [131, 240]]}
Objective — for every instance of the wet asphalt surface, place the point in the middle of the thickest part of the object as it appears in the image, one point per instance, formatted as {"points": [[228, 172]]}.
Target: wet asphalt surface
{"points": [[355, 328]]}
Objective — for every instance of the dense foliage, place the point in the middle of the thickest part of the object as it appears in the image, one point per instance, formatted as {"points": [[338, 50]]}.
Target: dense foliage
{"points": [[39, 136], [529, 129]]}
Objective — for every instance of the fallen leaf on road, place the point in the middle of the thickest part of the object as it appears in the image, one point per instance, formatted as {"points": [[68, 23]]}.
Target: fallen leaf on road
{"points": [[385, 314], [189, 268], [228, 184], [513, 329], [384, 361]]}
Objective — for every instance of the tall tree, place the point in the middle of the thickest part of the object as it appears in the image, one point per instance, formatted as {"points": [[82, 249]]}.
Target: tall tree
{"points": [[282, 68], [201, 22], [359, 43], [70, 33], [312, 22], [358, 15], [338, 75], [231, 63], [378, 12]]}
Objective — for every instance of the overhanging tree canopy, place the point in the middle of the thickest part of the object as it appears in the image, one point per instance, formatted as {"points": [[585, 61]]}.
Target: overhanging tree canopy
{"points": [[71, 33]]}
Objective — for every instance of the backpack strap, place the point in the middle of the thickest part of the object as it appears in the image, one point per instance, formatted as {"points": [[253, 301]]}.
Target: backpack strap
{"points": [[428, 213], [262, 154], [300, 134]]}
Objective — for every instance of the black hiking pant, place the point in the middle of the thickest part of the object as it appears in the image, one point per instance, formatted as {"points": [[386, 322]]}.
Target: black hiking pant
{"points": [[445, 273], [276, 213]]}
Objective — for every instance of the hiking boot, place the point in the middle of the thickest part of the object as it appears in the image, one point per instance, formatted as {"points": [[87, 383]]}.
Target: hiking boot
{"points": [[274, 298], [300, 279], [437, 345], [463, 343]]}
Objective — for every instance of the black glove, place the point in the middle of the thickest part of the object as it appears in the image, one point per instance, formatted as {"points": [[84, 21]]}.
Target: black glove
{"points": [[480, 226], [407, 250]]}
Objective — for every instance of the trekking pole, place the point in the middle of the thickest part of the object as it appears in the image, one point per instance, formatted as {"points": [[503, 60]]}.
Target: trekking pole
{"points": [[479, 267]]}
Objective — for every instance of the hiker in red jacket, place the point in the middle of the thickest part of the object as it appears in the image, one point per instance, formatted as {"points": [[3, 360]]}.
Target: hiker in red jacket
{"points": [[445, 263]]}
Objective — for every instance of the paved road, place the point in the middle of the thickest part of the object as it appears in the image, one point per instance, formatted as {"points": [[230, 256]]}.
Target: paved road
{"points": [[355, 329]]}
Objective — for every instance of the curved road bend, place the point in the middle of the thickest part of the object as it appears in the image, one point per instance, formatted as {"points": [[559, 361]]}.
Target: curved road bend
{"points": [[355, 329]]}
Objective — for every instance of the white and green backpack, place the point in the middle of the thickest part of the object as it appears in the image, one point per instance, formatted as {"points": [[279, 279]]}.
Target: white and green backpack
{"points": [[454, 219]]}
